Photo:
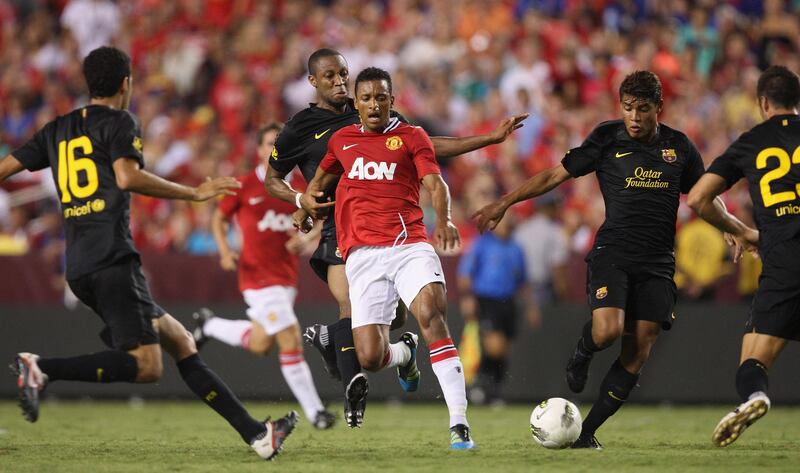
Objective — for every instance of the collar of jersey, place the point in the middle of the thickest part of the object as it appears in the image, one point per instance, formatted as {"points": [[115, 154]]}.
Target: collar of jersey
{"points": [[394, 122], [261, 172]]}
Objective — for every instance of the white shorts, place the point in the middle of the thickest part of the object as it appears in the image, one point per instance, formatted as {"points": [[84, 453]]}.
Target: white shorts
{"points": [[379, 276], [272, 307]]}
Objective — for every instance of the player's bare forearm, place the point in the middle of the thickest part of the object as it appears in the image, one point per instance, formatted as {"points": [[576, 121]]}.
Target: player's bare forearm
{"points": [[278, 187], [131, 178], [537, 185], [705, 201], [447, 147], [440, 196], [446, 234], [9, 166]]}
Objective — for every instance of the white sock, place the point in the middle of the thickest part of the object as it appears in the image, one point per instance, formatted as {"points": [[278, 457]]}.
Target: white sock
{"points": [[447, 366], [235, 333], [298, 376], [398, 355]]}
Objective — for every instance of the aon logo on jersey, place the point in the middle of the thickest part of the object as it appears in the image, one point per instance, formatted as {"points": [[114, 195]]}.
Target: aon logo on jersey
{"points": [[275, 222], [372, 171]]}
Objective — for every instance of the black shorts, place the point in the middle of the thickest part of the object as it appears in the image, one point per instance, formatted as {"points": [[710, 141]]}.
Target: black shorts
{"points": [[645, 291], [497, 315], [776, 306], [327, 254], [120, 296]]}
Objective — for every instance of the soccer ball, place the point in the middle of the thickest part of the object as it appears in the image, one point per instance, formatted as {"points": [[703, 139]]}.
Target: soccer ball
{"points": [[556, 423]]}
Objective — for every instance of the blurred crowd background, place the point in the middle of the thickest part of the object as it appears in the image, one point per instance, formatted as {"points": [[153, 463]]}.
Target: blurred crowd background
{"points": [[208, 73]]}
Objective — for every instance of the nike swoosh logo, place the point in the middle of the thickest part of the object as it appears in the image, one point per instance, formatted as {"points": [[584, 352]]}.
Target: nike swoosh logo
{"points": [[346, 147], [622, 155], [348, 348], [436, 274], [320, 135], [255, 200], [615, 397]]}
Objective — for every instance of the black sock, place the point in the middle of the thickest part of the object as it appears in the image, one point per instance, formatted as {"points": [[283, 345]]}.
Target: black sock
{"points": [[346, 358], [751, 377], [586, 345], [614, 391], [104, 367], [214, 392]]}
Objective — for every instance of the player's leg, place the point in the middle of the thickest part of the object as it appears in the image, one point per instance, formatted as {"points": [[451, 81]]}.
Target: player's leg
{"points": [[272, 311], [621, 378], [237, 333], [607, 292], [759, 352], [134, 355], [266, 438], [774, 319]]}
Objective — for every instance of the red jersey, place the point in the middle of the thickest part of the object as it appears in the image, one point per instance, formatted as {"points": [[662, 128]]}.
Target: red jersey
{"points": [[266, 225], [377, 199]]}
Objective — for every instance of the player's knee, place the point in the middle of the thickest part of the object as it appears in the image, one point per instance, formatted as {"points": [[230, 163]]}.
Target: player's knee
{"points": [[604, 334], [149, 369], [370, 358]]}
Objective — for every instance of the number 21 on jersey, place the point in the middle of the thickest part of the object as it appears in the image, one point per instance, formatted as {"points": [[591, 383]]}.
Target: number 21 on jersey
{"points": [[784, 166], [69, 166]]}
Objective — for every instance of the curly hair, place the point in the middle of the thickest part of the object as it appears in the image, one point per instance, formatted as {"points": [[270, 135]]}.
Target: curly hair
{"points": [[104, 69], [373, 73]]}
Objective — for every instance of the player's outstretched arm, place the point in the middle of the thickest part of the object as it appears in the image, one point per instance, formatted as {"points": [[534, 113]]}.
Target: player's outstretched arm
{"points": [[447, 147], [219, 228], [490, 215], [446, 234], [278, 187], [704, 200], [131, 178], [316, 189], [9, 166]]}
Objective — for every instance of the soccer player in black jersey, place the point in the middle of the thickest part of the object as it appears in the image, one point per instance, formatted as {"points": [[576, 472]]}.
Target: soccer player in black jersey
{"points": [[768, 156], [95, 154], [643, 166], [303, 143]]}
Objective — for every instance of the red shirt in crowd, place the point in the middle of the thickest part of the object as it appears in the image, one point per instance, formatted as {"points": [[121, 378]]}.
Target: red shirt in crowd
{"points": [[377, 199], [266, 225]]}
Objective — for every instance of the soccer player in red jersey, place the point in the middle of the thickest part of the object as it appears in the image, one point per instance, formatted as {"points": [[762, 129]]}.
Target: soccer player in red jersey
{"points": [[380, 164], [267, 280]]}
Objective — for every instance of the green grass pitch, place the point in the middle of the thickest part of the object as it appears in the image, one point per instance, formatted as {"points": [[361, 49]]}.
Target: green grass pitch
{"points": [[188, 437]]}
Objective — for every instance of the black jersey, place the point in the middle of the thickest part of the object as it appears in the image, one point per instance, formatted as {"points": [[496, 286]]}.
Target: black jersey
{"points": [[80, 148], [303, 142], [768, 156], [641, 185]]}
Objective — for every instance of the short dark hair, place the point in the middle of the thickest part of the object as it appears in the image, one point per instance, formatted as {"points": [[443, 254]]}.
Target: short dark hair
{"points": [[104, 69], [373, 73], [780, 86], [263, 130], [319, 54], [642, 85]]}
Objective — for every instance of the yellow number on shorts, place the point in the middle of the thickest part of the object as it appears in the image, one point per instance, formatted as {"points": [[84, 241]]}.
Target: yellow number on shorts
{"points": [[69, 166]]}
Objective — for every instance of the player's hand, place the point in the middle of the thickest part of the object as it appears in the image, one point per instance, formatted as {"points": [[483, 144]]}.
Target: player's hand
{"points": [[446, 236], [227, 261], [490, 215], [506, 127], [315, 209], [747, 241], [302, 221], [534, 316], [214, 187]]}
